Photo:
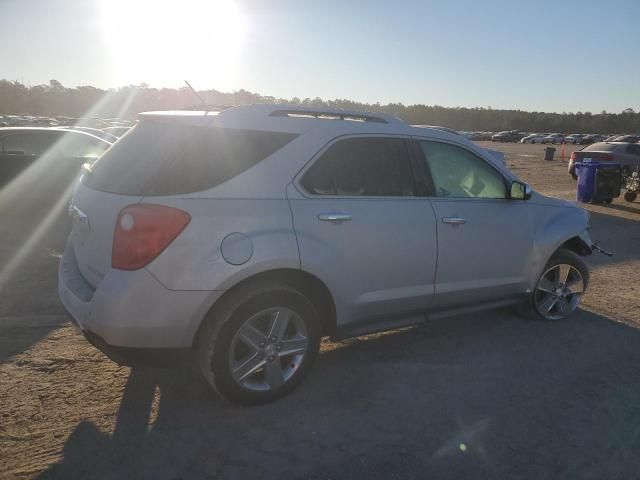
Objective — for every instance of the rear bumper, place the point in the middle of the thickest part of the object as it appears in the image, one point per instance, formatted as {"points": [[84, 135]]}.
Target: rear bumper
{"points": [[131, 309], [150, 357]]}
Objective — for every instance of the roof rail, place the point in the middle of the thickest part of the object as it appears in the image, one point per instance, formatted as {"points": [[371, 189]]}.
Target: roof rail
{"points": [[207, 108], [332, 114], [283, 110]]}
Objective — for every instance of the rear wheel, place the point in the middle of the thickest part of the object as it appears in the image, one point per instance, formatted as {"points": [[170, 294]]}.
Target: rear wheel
{"points": [[260, 344], [630, 196], [559, 289]]}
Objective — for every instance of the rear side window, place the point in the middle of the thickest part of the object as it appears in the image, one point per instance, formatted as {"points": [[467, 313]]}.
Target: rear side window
{"points": [[377, 167], [158, 158]]}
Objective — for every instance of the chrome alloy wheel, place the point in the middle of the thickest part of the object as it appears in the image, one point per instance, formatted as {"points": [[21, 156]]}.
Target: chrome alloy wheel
{"points": [[268, 349], [559, 291]]}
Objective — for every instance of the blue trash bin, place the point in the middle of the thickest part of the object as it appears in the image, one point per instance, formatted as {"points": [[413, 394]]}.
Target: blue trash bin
{"points": [[597, 182]]}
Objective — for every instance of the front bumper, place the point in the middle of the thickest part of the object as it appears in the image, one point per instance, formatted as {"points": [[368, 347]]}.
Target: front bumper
{"points": [[131, 309]]}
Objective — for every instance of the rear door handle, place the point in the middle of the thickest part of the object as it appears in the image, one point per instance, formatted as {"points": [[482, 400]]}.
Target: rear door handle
{"points": [[334, 217], [454, 220]]}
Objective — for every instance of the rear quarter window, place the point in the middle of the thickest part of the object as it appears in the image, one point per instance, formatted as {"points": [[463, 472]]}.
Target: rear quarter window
{"points": [[158, 158]]}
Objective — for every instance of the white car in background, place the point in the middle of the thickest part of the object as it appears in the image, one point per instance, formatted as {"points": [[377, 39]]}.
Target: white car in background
{"points": [[554, 138], [574, 138], [534, 138]]}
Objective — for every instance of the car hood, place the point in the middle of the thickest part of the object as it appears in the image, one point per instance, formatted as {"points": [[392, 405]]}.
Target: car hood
{"points": [[539, 199], [550, 202]]}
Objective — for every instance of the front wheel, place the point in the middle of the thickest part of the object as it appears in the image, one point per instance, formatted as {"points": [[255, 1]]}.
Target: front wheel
{"points": [[260, 344], [630, 196], [559, 289]]}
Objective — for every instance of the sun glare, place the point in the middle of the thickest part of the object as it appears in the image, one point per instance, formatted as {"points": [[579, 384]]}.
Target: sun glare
{"points": [[163, 42]]}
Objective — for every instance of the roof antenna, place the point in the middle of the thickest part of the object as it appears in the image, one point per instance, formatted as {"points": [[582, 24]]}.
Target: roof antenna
{"points": [[196, 94]]}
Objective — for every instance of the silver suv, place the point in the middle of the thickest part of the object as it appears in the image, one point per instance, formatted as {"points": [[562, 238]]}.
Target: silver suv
{"points": [[241, 237]]}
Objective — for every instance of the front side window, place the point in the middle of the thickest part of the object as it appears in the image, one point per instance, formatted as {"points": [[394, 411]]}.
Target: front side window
{"points": [[377, 167], [458, 173]]}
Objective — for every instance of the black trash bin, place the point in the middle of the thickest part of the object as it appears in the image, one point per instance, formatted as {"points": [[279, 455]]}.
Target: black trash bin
{"points": [[548, 153]]}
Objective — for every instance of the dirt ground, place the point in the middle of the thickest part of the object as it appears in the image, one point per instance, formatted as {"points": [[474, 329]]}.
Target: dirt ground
{"points": [[479, 396]]}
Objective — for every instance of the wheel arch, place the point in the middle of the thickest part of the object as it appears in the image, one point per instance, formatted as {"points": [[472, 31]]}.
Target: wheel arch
{"points": [[577, 245], [564, 230], [306, 283]]}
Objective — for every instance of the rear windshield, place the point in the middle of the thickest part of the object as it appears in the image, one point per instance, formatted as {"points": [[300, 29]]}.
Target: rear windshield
{"points": [[157, 158], [600, 147]]}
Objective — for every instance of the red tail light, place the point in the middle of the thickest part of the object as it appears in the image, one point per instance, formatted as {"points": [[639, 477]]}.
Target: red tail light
{"points": [[607, 157], [142, 232]]}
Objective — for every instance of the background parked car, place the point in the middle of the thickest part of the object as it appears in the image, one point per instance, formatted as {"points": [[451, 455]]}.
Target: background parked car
{"points": [[574, 138], [627, 138], [554, 138], [117, 131], [508, 136], [534, 138], [108, 136], [66, 150], [626, 154], [483, 136], [591, 138]]}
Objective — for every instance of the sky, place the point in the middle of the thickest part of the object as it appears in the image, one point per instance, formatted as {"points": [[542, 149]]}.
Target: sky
{"points": [[554, 56]]}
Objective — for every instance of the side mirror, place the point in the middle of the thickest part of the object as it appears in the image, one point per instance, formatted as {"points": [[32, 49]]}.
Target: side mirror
{"points": [[520, 191]]}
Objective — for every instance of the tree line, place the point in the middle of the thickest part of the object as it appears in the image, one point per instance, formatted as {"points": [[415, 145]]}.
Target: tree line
{"points": [[54, 99]]}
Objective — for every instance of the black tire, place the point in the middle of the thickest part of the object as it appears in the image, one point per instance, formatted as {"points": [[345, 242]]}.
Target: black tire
{"points": [[528, 308], [215, 338], [630, 196], [533, 142]]}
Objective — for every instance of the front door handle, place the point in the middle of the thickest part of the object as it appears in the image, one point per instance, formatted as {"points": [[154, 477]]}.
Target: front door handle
{"points": [[454, 220], [334, 217]]}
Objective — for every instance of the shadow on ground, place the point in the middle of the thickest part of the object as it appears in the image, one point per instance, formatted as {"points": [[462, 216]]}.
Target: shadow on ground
{"points": [[29, 305], [485, 396]]}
